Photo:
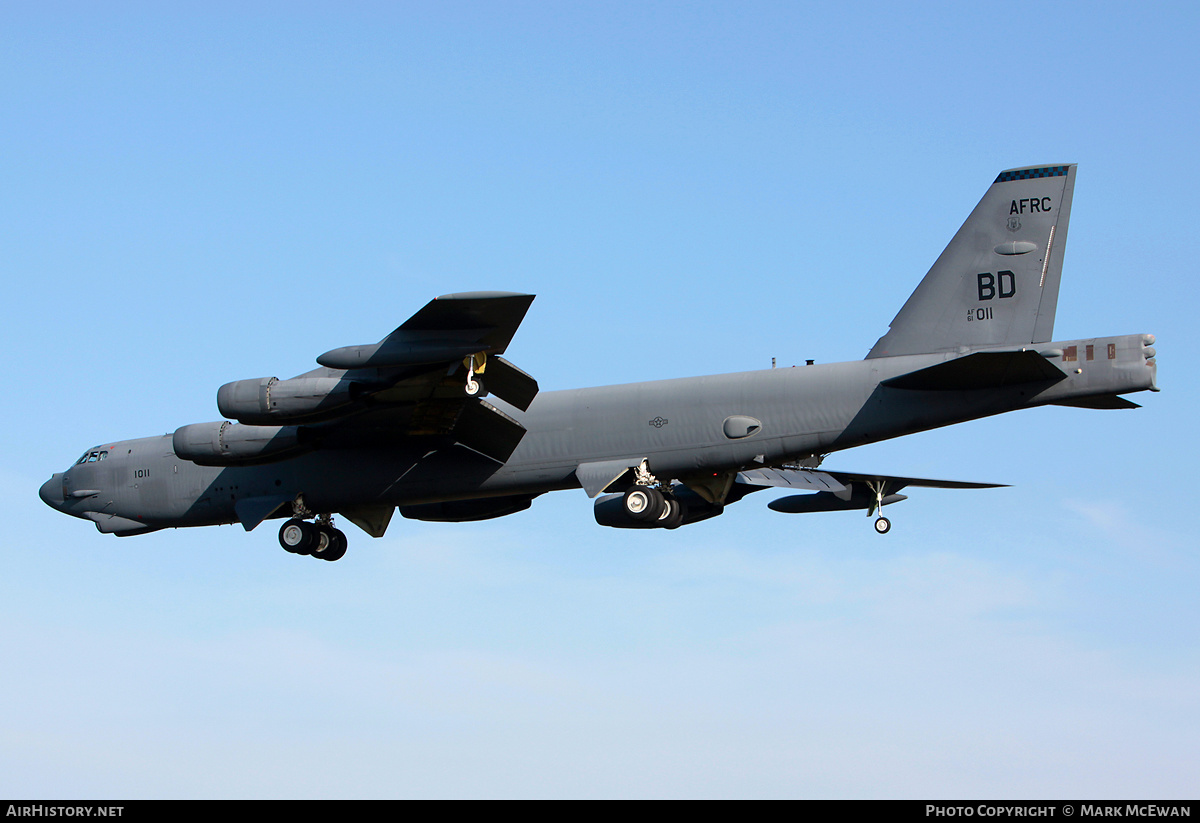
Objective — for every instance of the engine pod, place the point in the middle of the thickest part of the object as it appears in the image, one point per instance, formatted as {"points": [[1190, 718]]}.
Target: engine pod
{"points": [[269, 400], [231, 444]]}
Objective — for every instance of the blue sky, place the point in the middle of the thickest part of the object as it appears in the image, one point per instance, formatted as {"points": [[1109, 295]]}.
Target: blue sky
{"points": [[210, 192]]}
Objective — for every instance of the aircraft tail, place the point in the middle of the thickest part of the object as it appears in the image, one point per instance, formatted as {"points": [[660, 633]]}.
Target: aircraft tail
{"points": [[996, 284]]}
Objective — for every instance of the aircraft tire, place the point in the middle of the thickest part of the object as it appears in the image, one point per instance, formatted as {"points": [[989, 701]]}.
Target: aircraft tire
{"points": [[479, 389], [672, 517], [883, 525], [298, 537], [321, 540], [337, 546], [643, 504]]}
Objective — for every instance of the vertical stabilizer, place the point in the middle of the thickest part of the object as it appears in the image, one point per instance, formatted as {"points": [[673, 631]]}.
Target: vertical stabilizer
{"points": [[996, 284]]}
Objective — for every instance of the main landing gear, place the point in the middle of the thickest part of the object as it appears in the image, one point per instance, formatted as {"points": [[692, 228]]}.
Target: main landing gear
{"points": [[649, 502], [319, 539]]}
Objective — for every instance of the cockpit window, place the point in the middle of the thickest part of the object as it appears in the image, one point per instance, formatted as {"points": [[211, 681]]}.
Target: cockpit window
{"points": [[92, 457]]}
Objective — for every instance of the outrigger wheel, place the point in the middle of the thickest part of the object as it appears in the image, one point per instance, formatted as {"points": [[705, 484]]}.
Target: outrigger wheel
{"points": [[882, 524], [475, 363]]}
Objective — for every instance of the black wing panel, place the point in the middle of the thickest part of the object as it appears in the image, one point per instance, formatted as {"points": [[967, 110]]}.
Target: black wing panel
{"points": [[489, 431], [509, 383], [448, 328], [495, 316]]}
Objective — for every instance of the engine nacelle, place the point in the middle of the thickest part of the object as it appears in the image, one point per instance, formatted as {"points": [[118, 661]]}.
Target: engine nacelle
{"points": [[231, 444], [271, 400], [610, 509]]}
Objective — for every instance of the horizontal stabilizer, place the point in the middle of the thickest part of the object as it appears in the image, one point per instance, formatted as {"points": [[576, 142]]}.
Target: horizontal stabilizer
{"points": [[1099, 401], [982, 370], [509, 383]]}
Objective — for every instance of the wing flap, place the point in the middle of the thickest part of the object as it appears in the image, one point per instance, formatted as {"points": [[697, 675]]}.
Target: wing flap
{"points": [[484, 428], [509, 383], [791, 479]]}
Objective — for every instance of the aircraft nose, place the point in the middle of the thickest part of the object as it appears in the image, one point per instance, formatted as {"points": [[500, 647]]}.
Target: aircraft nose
{"points": [[51, 492]]}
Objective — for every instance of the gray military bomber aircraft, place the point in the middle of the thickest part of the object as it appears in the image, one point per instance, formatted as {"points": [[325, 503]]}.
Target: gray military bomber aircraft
{"points": [[403, 423]]}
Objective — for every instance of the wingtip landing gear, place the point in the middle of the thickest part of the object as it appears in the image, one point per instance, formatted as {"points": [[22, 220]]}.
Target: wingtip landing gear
{"points": [[882, 524], [475, 363]]}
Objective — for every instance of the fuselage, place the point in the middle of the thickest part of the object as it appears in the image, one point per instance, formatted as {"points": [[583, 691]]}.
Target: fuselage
{"points": [[681, 427]]}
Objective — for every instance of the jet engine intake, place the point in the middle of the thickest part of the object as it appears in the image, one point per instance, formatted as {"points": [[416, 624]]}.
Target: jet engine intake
{"points": [[271, 400], [231, 444]]}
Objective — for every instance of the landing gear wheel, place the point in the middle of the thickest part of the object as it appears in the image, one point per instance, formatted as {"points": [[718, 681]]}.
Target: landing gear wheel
{"points": [[475, 388], [298, 537], [322, 540], [644, 504], [672, 516], [336, 549], [883, 525]]}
